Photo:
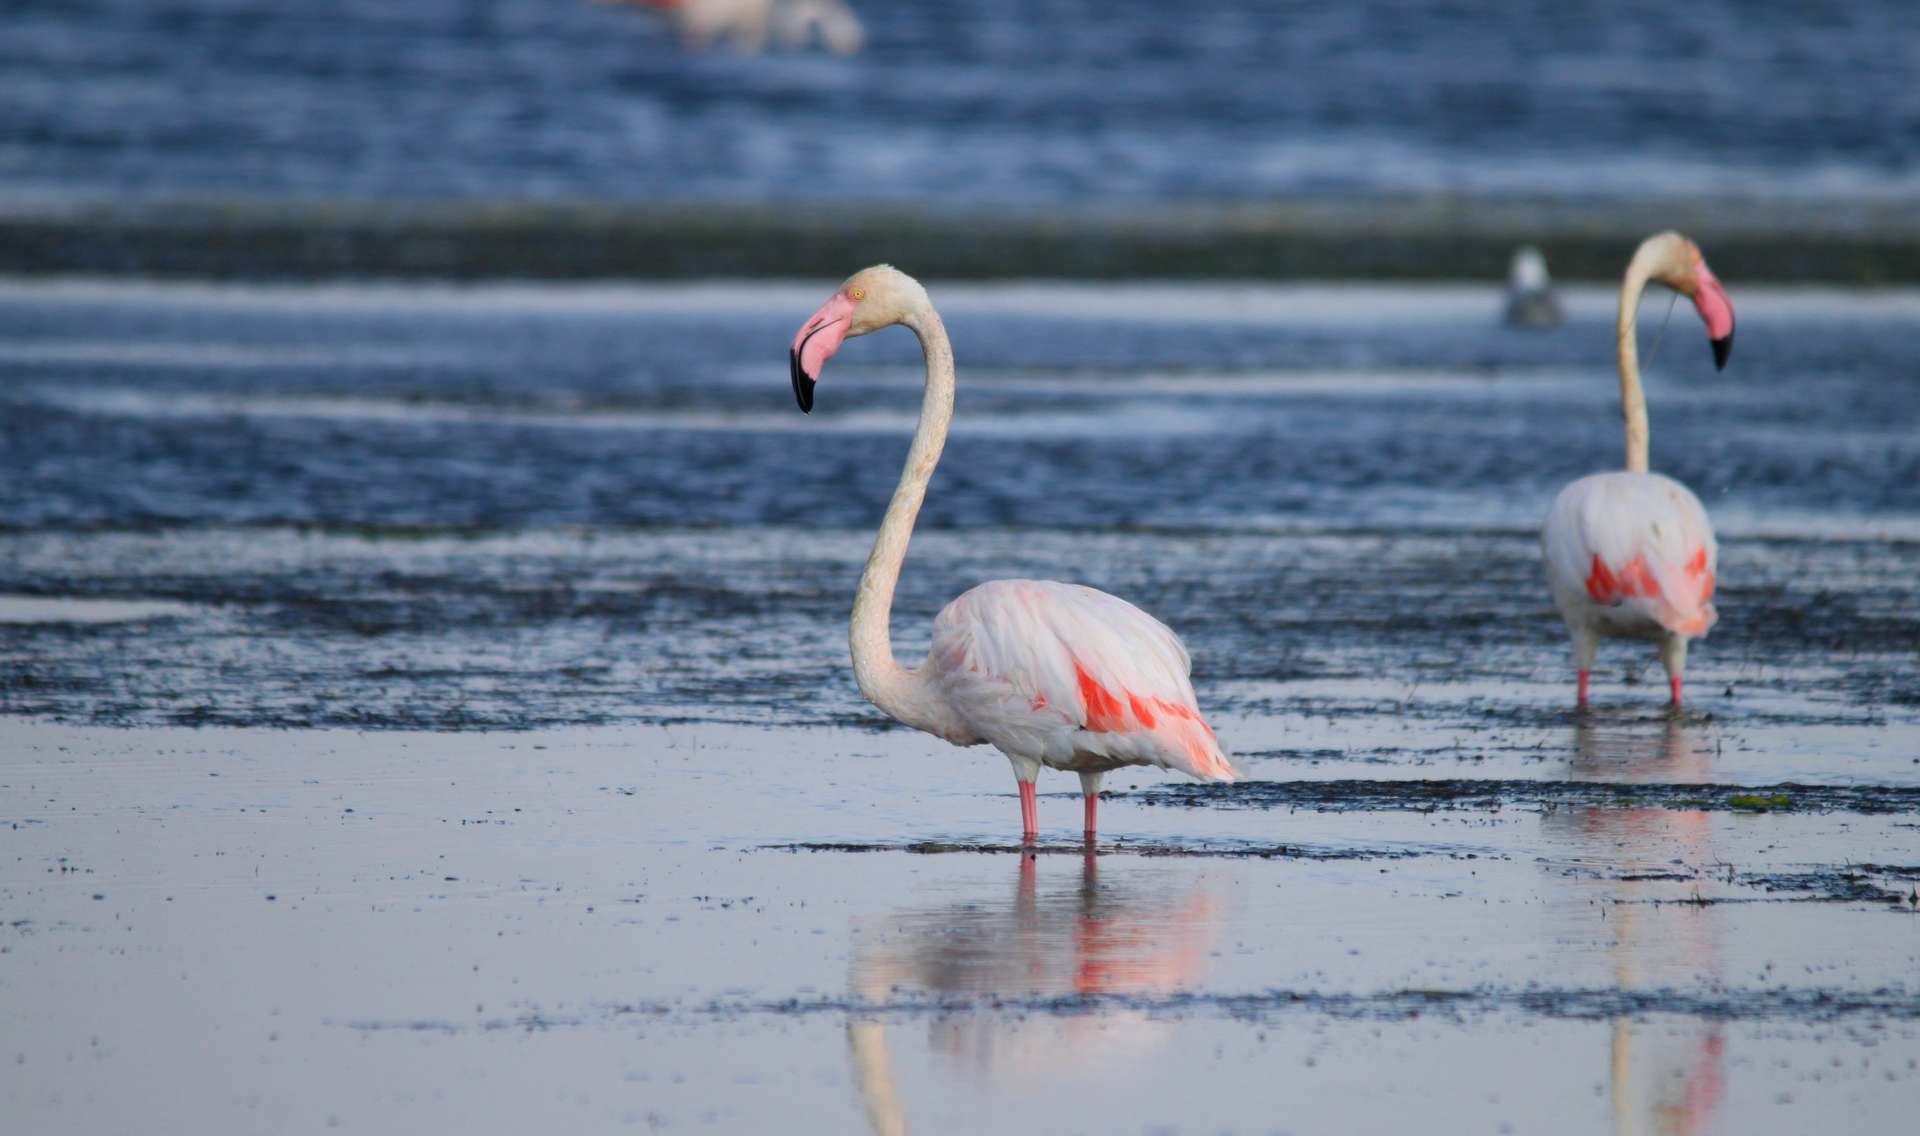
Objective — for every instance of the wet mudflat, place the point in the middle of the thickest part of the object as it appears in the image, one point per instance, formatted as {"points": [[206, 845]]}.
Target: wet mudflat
{"points": [[429, 708], [255, 930]]}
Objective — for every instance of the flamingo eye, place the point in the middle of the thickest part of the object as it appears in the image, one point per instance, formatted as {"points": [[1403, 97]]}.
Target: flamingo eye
{"points": [[858, 294]]}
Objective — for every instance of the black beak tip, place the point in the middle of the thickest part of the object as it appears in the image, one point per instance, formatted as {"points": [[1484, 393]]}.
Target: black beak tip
{"points": [[802, 384], [1722, 348]]}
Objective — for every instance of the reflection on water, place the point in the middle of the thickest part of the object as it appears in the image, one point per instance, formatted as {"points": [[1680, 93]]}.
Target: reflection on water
{"points": [[1130, 935], [1622, 745], [1666, 1076]]}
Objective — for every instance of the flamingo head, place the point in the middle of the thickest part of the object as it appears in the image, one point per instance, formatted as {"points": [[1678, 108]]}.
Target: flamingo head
{"points": [[1685, 270], [870, 299]]}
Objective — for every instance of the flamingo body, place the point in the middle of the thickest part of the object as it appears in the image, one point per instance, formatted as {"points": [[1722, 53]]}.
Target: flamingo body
{"points": [[1631, 556], [1069, 677], [1051, 674]]}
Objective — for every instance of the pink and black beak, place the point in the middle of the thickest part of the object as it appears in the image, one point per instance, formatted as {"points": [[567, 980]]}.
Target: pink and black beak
{"points": [[815, 343], [1716, 311], [802, 383]]}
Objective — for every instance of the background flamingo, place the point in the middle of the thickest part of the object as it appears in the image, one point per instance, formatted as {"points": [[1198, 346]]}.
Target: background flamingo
{"points": [[1049, 673], [748, 24], [1631, 554]]}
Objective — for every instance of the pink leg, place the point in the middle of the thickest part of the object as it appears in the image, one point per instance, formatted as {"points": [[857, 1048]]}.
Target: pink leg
{"points": [[1584, 675], [1093, 806], [1673, 684], [1029, 813]]}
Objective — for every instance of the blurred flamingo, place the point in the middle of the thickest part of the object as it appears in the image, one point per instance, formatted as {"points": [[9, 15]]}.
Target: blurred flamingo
{"points": [[1051, 674], [749, 23], [1631, 554]]}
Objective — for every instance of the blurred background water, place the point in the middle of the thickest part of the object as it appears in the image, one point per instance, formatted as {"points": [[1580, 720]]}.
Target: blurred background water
{"points": [[1003, 102]]}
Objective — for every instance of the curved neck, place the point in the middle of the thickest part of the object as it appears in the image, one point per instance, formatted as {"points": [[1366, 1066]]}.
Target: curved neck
{"points": [[888, 685], [1633, 401]]}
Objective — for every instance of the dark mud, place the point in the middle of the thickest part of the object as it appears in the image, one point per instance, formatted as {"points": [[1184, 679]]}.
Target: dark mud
{"points": [[1800, 1007], [1864, 883], [1427, 796], [1120, 848], [1895, 886], [1393, 237]]}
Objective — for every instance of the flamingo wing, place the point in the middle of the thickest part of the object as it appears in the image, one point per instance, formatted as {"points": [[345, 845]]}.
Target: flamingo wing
{"points": [[1065, 673], [1636, 541]]}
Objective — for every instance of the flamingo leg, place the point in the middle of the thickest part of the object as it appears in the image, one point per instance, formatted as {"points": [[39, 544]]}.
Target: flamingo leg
{"points": [[1582, 685], [1673, 684], [1029, 813], [1090, 789]]}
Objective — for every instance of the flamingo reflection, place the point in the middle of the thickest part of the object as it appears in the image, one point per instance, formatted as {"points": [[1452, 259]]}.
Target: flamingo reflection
{"points": [[1665, 1077], [1148, 934]]}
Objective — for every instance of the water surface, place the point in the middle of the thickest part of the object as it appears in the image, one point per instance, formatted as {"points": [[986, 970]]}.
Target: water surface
{"points": [[1006, 103], [497, 759]]}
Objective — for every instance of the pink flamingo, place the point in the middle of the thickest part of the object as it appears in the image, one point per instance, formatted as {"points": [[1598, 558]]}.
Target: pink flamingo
{"points": [[1050, 674], [1631, 554]]}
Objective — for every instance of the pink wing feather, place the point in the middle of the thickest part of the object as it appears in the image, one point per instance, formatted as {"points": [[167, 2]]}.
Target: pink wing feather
{"points": [[1057, 671], [1638, 542]]}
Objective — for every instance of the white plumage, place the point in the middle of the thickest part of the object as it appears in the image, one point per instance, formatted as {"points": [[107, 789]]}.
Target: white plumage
{"points": [[1072, 678], [1630, 555]]}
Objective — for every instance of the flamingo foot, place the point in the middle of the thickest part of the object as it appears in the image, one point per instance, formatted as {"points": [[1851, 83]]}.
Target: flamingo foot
{"points": [[1029, 813], [1582, 686], [1093, 806], [1673, 684]]}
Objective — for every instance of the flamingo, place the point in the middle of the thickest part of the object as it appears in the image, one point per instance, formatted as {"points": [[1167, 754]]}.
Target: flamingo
{"points": [[749, 23], [1631, 554], [1050, 674]]}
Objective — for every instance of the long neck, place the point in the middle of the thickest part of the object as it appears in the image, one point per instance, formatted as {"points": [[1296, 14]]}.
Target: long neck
{"points": [[1633, 401], [893, 688]]}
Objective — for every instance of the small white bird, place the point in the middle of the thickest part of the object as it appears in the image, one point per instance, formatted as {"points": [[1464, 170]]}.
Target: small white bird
{"points": [[1531, 300], [1632, 555], [1051, 674]]}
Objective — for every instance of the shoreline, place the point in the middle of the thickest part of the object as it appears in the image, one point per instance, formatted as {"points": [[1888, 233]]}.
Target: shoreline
{"points": [[1854, 243]]}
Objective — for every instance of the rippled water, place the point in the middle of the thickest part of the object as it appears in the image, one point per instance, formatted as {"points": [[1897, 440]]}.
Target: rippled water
{"points": [[1001, 101], [523, 506]]}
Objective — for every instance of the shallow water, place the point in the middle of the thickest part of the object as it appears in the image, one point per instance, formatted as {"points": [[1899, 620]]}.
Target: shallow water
{"points": [[244, 929], [615, 839]]}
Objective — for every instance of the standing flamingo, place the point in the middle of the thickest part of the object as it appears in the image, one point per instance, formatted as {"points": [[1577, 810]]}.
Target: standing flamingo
{"points": [[1049, 673], [1631, 554]]}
